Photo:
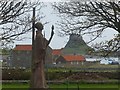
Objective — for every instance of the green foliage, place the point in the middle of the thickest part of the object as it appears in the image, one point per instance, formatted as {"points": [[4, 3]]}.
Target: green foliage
{"points": [[15, 74], [61, 74], [4, 51], [57, 75]]}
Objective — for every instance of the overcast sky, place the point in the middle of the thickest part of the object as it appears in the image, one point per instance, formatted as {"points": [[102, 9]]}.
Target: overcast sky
{"points": [[59, 42]]}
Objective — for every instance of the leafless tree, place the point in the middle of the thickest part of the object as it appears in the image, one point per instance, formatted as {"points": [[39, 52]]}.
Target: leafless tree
{"points": [[108, 48], [89, 17], [16, 18]]}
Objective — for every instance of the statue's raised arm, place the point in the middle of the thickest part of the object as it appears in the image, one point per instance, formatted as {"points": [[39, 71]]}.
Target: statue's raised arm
{"points": [[52, 33]]}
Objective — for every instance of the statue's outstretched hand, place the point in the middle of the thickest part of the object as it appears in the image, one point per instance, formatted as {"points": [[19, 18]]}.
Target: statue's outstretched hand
{"points": [[52, 32]]}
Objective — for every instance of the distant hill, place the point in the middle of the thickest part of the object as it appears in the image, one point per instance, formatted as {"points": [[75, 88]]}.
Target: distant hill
{"points": [[76, 45]]}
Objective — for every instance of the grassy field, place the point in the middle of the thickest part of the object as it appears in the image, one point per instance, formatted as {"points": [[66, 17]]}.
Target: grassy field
{"points": [[15, 85], [53, 72]]}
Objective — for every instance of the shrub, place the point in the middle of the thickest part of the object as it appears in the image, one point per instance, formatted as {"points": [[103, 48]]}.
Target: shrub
{"points": [[15, 74]]}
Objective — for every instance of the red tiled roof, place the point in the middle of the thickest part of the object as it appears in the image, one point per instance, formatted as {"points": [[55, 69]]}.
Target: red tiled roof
{"points": [[23, 47], [56, 52], [74, 58]]}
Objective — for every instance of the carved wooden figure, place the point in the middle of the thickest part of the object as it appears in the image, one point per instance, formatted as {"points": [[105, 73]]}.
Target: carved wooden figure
{"points": [[40, 46]]}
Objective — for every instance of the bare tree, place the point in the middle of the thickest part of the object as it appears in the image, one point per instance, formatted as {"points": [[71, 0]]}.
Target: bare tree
{"points": [[16, 18], [109, 48], [88, 17]]}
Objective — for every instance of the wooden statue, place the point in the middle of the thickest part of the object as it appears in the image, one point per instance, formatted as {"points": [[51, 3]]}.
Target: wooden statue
{"points": [[40, 46]]}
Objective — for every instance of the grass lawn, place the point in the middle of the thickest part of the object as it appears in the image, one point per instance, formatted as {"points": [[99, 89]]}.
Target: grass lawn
{"points": [[84, 86], [15, 85]]}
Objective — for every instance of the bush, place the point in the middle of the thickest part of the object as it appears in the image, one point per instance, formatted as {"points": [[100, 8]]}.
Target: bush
{"points": [[23, 74], [15, 74]]}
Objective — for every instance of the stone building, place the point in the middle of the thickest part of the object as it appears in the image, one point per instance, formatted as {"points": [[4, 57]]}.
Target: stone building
{"points": [[21, 56]]}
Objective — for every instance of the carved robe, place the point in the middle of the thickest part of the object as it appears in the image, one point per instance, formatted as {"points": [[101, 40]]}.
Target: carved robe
{"points": [[38, 64]]}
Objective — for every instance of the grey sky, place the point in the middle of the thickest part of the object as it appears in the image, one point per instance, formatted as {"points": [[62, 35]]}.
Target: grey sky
{"points": [[59, 42]]}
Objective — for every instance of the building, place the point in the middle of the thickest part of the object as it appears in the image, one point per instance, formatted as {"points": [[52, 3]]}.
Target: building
{"points": [[55, 54], [21, 56], [70, 59]]}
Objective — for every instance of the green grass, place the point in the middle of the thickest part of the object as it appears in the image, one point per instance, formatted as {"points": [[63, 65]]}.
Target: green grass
{"points": [[84, 86], [15, 85]]}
